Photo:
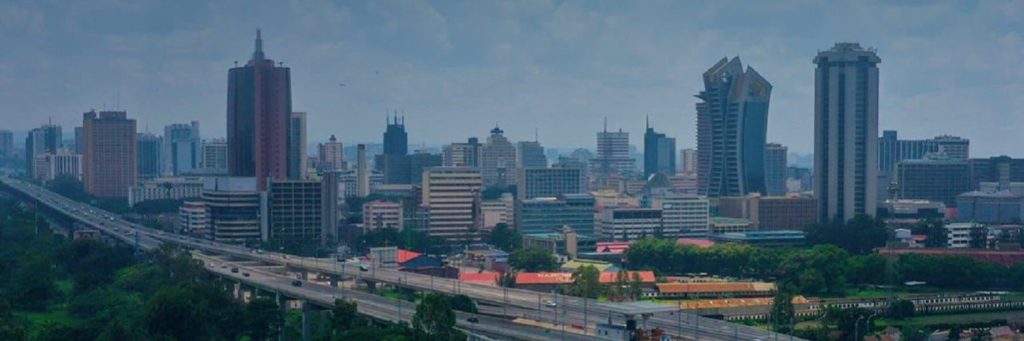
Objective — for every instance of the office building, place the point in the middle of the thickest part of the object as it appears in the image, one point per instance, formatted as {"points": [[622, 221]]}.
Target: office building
{"points": [[626, 224], [150, 155], [176, 188], [612, 156], [330, 155], [461, 154], [959, 235], [500, 211], [688, 161], [934, 179], [6, 143], [991, 207], [892, 150], [294, 212], [109, 163], [775, 169], [43, 140], [192, 219], [259, 110], [349, 182], [498, 160], [215, 156], [362, 172], [549, 182], [530, 154], [297, 168], [63, 163], [79, 140], [396, 140], [331, 200], [452, 198], [233, 208], [953, 147], [845, 132], [382, 214], [548, 214], [565, 242], [771, 213], [1002, 170], [682, 215], [181, 148], [659, 153], [720, 225], [732, 125]]}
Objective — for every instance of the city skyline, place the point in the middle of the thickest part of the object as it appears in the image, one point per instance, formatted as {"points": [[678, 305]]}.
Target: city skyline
{"points": [[494, 74]]}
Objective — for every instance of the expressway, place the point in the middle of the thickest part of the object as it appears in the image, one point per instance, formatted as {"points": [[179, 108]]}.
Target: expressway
{"points": [[566, 310]]}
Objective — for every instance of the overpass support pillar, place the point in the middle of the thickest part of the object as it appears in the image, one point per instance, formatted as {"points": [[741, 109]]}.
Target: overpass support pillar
{"points": [[307, 310], [334, 280], [371, 287]]}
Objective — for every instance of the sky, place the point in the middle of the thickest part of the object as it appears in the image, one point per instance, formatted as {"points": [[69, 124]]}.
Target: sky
{"points": [[457, 68]]}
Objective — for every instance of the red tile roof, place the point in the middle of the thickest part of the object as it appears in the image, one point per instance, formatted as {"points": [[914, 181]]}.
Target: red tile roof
{"points": [[645, 276], [556, 278], [613, 247], [405, 256], [698, 242], [486, 277]]}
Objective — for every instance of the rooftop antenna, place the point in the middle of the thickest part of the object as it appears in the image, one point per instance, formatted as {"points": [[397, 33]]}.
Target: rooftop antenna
{"points": [[648, 121], [536, 135], [258, 50], [606, 124]]}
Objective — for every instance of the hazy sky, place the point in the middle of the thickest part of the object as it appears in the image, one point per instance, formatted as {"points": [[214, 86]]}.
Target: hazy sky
{"points": [[458, 67]]}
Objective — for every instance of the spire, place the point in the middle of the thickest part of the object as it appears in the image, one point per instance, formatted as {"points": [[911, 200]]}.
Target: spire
{"points": [[257, 54], [648, 122]]}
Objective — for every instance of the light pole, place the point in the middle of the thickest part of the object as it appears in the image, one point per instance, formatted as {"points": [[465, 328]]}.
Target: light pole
{"points": [[856, 329], [867, 326]]}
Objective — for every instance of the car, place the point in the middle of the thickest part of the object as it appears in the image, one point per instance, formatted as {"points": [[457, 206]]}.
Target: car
{"points": [[246, 274], [364, 267], [550, 303], [473, 320], [234, 270], [296, 283], [223, 266]]}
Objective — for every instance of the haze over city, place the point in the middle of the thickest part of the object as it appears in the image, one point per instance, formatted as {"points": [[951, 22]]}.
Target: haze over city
{"points": [[457, 68]]}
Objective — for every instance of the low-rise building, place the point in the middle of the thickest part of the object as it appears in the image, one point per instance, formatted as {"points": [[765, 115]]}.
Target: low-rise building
{"points": [[63, 163], [682, 215], [720, 225], [715, 289], [991, 207], [500, 211], [546, 215], [625, 224], [763, 238], [960, 235], [567, 242], [192, 219], [548, 281], [176, 188], [382, 214]]}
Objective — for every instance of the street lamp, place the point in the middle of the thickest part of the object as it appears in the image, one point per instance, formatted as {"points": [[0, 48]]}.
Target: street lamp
{"points": [[867, 326], [856, 328]]}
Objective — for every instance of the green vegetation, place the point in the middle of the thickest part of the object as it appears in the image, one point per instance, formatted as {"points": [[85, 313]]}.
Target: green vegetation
{"points": [[434, 316], [533, 259], [407, 239], [860, 235], [586, 282], [505, 238]]}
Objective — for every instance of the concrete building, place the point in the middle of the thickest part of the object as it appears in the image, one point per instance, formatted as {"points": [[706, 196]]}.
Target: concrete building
{"points": [[462, 154], [150, 156], [259, 109], [43, 140], [775, 169], [331, 155], [548, 182], [892, 150], [954, 147], [781, 238], [215, 156], [991, 207], [362, 172], [294, 212], [109, 163], [382, 214], [688, 161], [233, 208], [625, 224], [79, 140], [192, 219], [732, 125], [720, 225], [933, 179], [181, 148], [331, 200], [959, 235], [500, 211], [612, 156], [999, 169], [498, 160], [348, 182], [566, 242], [845, 131], [544, 215], [52, 166], [174, 188], [530, 154], [297, 167], [396, 140], [682, 215], [659, 153], [6, 143], [771, 213], [452, 198]]}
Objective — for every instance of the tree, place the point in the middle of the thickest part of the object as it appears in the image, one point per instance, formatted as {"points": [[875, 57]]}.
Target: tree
{"points": [[434, 316], [900, 309], [344, 316], [70, 187], [505, 238], [463, 303], [636, 287], [263, 318], [935, 232], [33, 282], [533, 259], [586, 282], [175, 312], [978, 237], [782, 310], [859, 235]]}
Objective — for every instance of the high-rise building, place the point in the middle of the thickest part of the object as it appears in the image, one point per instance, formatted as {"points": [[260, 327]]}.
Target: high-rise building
{"points": [[771, 213], [626, 224], [6, 143], [419, 161], [612, 155], [215, 156], [549, 214], [79, 140], [548, 182], [1001, 170], [330, 155], [530, 154], [294, 212], [396, 140], [934, 179], [181, 148], [297, 168], [498, 160], [173, 188], [775, 169], [659, 153], [462, 154], [362, 172], [63, 163], [953, 147], [259, 109], [452, 198], [892, 150], [732, 125], [574, 163], [43, 140], [233, 209], [683, 215], [150, 156], [688, 159], [845, 132], [109, 163]]}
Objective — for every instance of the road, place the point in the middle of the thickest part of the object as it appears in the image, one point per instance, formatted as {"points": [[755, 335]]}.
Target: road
{"points": [[568, 311]]}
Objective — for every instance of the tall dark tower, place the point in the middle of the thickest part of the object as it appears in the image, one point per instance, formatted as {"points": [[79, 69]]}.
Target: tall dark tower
{"points": [[396, 140], [659, 153], [259, 110]]}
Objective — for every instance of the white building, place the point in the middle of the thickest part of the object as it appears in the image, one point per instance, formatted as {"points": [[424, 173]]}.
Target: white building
{"points": [[192, 219], [958, 235], [331, 155], [176, 188], [51, 166], [215, 156], [683, 215], [625, 224], [381, 214], [498, 160], [452, 198], [501, 211]]}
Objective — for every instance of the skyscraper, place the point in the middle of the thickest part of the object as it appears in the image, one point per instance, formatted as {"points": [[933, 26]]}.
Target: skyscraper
{"points": [[396, 140], [330, 155], [40, 141], [452, 197], [297, 146], [498, 160], [775, 169], [659, 153], [846, 131], [181, 148], [215, 156], [362, 172], [462, 154], [892, 150], [530, 154], [150, 160], [6, 143], [79, 140], [612, 155], [732, 125], [109, 162], [259, 110]]}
